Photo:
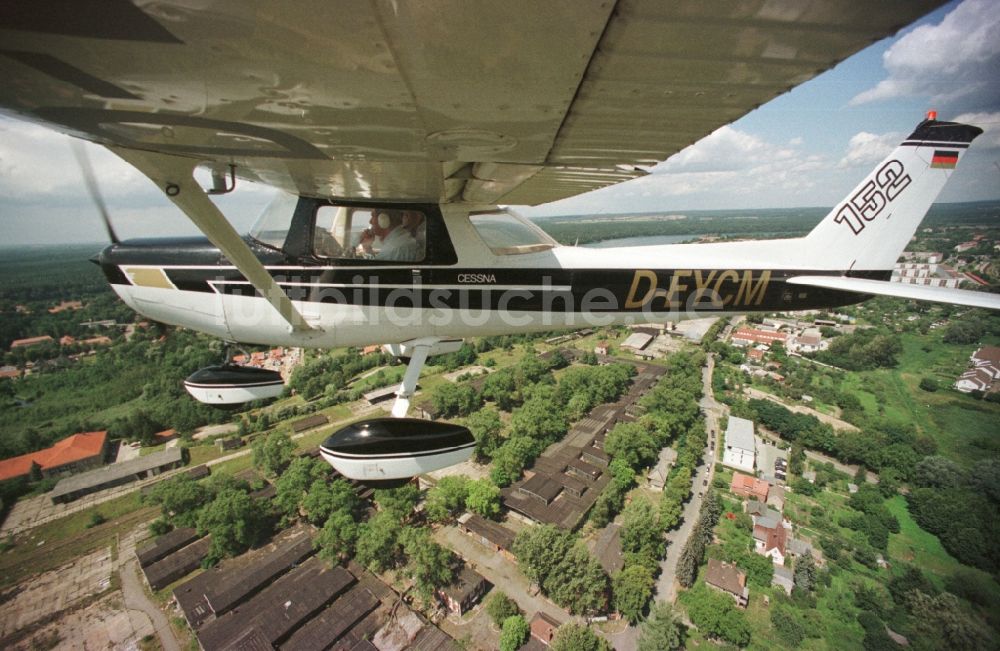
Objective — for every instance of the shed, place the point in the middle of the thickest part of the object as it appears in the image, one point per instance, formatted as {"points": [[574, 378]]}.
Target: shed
{"points": [[543, 627]]}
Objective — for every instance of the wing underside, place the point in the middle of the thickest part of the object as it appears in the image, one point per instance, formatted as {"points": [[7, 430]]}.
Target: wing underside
{"points": [[901, 290], [444, 101]]}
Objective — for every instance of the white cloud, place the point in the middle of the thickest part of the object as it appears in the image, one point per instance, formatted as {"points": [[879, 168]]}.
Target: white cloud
{"points": [[953, 63], [865, 149]]}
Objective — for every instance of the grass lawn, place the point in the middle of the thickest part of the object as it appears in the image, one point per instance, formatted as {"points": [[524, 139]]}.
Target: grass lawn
{"points": [[914, 545]]}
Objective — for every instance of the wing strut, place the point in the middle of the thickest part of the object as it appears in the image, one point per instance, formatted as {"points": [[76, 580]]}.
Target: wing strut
{"points": [[174, 175]]}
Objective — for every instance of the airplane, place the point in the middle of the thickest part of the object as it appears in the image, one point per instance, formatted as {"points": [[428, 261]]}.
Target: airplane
{"points": [[398, 131]]}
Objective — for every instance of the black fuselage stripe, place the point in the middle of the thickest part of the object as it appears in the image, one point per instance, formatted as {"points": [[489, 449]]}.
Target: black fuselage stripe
{"points": [[394, 455], [573, 290]]}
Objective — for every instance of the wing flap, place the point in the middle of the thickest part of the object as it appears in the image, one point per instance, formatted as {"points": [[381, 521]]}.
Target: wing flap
{"points": [[901, 290]]}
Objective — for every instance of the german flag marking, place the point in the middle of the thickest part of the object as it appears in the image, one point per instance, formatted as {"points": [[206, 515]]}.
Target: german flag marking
{"points": [[944, 159]]}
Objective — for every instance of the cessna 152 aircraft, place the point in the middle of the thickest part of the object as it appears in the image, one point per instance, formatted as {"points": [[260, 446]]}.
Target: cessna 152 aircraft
{"points": [[396, 129]]}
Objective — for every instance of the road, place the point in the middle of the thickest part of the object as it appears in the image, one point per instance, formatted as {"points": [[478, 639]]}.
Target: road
{"points": [[135, 598], [666, 585]]}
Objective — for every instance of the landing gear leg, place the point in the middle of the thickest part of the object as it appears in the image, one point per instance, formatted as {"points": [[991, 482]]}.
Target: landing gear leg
{"points": [[409, 384]]}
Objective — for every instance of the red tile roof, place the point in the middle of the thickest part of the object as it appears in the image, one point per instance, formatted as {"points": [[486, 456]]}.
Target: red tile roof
{"points": [[69, 450], [747, 486], [30, 341], [776, 537]]}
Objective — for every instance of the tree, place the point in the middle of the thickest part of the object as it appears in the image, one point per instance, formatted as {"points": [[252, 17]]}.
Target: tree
{"points": [[377, 544], [632, 588], [632, 442], [500, 607], [938, 472], [539, 550], [398, 502], [235, 521], [805, 573], [272, 455], [578, 582], [577, 637], [455, 399], [513, 633], [447, 498], [964, 331], [715, 614], [291, 486], [483, 498], [327, 497], [641, 532], [429, 564], [336, 540], [509, 460], [662, 630], [540, 420], [787, 625], [180, 498], [942, 616], [486, 428], [928, 384]]}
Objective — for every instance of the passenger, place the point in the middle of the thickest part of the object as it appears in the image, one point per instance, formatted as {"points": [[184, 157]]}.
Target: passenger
{"points": [[414, 222], [396, 243]]}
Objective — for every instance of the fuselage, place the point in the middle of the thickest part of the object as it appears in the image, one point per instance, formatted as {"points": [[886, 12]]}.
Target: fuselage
{"points": [[462, 288]]}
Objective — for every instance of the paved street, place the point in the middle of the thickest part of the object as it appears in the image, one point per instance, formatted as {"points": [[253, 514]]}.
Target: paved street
{"points": [[666, 586]]}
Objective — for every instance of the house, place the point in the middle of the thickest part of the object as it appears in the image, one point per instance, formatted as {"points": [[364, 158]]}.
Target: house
{"points": [[747, 486], [984, 368], [464, 592], [750, 336], [771, 540], [637, 341], [543, 627], [66, 306], [760, 512], [30, 341], [658, 475], [809, 341], [798, 547], [756, 354], [10, 371], [72, 454], [67, 340], [740, 450], [370, 350], [601, 348], [165, 435], [608, 549], [727, 578]]}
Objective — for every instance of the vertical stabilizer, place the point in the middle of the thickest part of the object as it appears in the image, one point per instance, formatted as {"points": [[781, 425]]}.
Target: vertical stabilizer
{"points": [[872, 225]]}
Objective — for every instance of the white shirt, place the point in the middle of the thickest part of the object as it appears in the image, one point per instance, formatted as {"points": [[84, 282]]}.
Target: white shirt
{"points": [[399, 245]]}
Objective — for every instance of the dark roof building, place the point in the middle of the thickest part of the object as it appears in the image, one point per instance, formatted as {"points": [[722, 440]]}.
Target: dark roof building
{"points": [[322, 631], [608, 549], [178, 564], [464, 591], [488, 533], [726, 577], [304, 424], [165, 545], [543, 627], [116, 474], [280, 608]]}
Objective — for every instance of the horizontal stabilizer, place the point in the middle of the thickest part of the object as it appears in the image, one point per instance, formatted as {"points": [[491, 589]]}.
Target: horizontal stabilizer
{"points": [[901, 290]]}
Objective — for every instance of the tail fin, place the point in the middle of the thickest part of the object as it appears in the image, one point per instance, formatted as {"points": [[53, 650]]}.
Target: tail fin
{"points": [[871, 227]]}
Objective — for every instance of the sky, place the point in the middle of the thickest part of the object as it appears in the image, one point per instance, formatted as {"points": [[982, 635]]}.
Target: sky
{"points": [[808, 147]]}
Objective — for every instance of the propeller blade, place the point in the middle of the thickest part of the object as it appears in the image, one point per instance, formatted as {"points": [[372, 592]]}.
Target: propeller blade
{"points": [[95, 194]]}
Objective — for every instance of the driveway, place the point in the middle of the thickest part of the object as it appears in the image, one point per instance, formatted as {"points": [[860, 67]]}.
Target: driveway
{"points": [[135, 598], [500, 572]]}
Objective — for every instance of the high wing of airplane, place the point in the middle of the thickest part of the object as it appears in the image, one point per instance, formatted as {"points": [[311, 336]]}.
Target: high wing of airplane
{"points": [[397, 128]]}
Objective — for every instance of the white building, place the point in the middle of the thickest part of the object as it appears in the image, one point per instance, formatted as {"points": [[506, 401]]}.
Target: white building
{"points": [[740, 449]]}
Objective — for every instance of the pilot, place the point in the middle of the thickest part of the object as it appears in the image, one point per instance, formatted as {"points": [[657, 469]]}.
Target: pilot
{"points": [[397, 243]]}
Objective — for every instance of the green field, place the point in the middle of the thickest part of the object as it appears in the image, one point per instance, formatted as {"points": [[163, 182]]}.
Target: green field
{"points": [[964, 427]]}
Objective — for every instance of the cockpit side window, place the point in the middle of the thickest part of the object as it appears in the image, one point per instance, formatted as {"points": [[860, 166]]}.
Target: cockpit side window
{"points": [[507, 233], [365, 233], [271, 227]]}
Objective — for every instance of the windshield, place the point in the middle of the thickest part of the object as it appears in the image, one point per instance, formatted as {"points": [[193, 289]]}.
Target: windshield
{"points": [[271, 228], [507, 233]]}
